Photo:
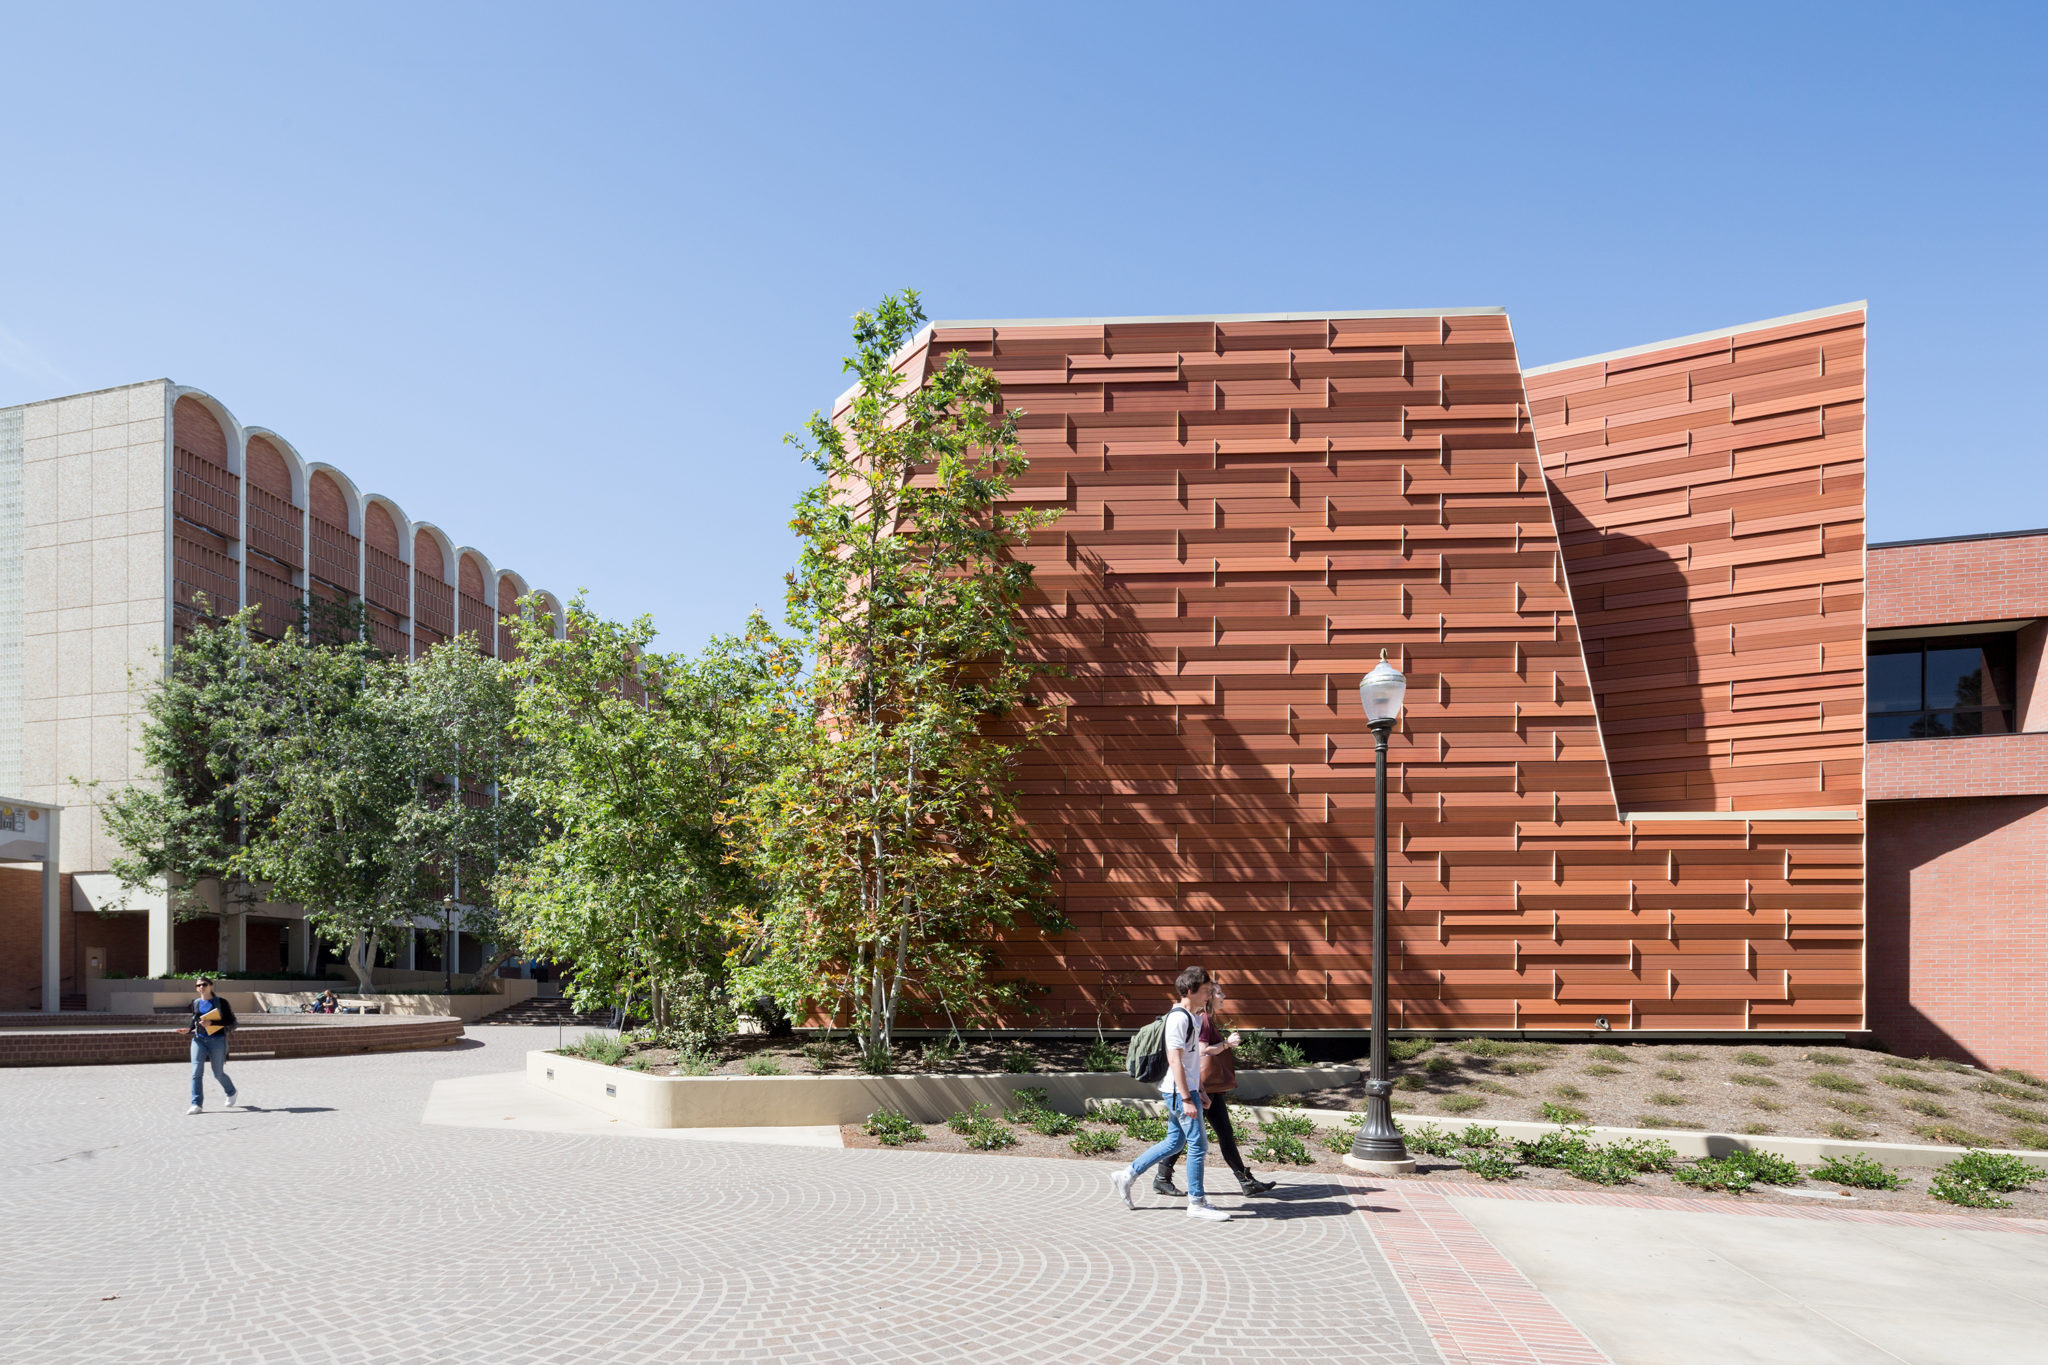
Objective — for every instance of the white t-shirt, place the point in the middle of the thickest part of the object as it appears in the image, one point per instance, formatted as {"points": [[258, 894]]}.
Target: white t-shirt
{"points": [[1183, 1035]]}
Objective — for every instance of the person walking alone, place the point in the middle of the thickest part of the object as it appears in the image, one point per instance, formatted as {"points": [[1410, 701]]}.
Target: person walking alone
{"points": [[1181, 1089], [1219, 1078], [212, 1021]]}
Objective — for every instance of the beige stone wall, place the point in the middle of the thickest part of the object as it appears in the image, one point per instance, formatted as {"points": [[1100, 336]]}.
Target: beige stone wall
{"points": [[94, 474]]}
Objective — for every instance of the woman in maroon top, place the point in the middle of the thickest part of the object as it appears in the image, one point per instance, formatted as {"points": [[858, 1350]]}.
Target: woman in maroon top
{"points": [[1219, 1078]]}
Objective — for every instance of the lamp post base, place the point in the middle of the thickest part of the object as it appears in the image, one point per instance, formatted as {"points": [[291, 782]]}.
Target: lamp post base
{"points": [[1379, 1167]]}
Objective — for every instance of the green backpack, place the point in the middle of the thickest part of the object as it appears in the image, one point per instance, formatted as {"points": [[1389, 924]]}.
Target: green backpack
{"points": [[1145, 1058]]}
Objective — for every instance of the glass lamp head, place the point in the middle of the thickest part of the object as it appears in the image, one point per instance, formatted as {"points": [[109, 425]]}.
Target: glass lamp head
{"points": [[1380, 692]]}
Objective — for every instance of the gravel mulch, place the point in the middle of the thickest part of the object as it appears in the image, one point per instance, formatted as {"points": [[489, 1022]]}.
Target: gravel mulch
{"points": [[1914, 1198], [1821, 1092]]}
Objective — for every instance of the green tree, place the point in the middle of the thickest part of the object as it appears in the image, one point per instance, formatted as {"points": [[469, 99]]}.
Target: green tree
{"points": [[891, 835], [631, 757], [184, 828]]}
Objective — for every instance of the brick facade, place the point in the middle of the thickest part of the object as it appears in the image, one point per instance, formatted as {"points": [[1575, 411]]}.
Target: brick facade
{"points": [[1977, 765], [1996, 578], [1959, 928]]}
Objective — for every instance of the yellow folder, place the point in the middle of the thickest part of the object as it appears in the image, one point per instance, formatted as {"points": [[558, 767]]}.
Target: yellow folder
{"points": [[211, 1020]]}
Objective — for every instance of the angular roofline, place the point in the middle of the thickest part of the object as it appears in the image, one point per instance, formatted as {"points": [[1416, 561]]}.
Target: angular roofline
{"points": [[1737, 330], [1226, 317]]}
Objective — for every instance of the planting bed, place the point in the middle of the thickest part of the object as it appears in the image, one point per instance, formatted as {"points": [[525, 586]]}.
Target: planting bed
{"points": [[1796, 1091], [801, 1056], [998, 1134]]}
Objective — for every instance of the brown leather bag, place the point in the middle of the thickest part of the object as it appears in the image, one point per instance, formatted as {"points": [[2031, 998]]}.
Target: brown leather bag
{"points": [[1219, 1069]]}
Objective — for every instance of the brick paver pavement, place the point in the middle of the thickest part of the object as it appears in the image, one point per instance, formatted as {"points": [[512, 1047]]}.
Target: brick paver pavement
{"points": [[330, 1224]]}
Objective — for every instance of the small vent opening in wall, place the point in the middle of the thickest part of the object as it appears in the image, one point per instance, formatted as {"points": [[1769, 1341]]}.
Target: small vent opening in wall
{"points": [[611, 1090], [551, 1073]]}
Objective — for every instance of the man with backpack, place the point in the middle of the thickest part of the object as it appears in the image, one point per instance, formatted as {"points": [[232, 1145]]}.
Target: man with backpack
{"points": [[1180, 1081], [212, 1021]]}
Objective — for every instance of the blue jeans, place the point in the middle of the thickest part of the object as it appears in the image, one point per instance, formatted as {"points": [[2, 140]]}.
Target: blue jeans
{"points": [[210, 1047], [1186, 1133]]}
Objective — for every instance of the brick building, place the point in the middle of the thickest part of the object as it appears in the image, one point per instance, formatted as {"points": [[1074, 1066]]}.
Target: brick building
{"points": [[119, 510]]}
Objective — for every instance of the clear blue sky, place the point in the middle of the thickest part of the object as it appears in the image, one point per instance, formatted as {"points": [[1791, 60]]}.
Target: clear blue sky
{"points": [[559, 278]]}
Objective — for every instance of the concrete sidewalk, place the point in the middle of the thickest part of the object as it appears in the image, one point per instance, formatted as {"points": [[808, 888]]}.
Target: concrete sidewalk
{"points": [[1666, 1287]]}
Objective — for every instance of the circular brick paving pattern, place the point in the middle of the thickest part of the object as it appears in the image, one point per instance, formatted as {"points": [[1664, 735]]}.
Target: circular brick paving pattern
{"points": [[330, 1224]]}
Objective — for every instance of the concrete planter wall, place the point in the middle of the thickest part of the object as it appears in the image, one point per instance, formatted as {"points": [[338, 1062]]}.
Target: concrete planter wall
{"points": [[255, 997], [793, 1101]]}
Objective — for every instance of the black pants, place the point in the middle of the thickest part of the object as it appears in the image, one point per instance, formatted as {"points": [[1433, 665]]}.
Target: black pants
{"points": [[1218, 1116]]}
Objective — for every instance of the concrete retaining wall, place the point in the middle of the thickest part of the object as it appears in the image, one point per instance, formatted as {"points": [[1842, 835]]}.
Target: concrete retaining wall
{"points": [[792, 1101], [254, 997], [1685, 1143], [24, 1041]]}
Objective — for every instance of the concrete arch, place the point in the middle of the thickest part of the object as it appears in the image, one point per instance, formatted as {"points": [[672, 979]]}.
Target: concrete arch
{"points": [[552, 605], [351, 499], [228, 452], [294, 464], [395, 520], [440, 542], [467, 559]]}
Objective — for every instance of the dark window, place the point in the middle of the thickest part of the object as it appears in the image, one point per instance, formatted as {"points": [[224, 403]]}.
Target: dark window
{"points": [[1942, 686]]}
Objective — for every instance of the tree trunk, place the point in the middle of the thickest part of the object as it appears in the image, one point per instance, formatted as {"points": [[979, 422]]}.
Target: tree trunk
{"points": [[359, 963], [498, 958]]}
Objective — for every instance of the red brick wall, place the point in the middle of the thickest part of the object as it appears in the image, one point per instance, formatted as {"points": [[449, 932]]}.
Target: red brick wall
{"points": [[1958, 924], [1982, 765], [1952, 581], [21, 939], [267, 469]]}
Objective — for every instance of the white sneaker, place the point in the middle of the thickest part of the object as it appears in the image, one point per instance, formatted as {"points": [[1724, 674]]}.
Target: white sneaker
{"points": [[1121, 1179], [235, 1100], [1208, 1213], [195, 1109]]}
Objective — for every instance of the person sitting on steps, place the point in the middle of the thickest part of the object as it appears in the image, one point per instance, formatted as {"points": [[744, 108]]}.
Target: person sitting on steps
{"points": [[1219, 1079]]}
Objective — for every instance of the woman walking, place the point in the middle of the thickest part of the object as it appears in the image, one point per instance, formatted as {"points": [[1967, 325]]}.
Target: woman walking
{"points": [[212, 1021], [1219, 1078]]}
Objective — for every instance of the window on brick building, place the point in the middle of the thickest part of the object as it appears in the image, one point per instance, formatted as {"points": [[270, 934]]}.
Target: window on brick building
{"points": [[1940, 686]]}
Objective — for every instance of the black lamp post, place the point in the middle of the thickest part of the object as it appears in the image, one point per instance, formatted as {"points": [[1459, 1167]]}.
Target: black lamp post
{"points": [[1378, 1148]]}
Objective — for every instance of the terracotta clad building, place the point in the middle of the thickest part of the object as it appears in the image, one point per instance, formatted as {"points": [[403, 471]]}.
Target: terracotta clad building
{"points": [[1627, 790], [123, 514]]}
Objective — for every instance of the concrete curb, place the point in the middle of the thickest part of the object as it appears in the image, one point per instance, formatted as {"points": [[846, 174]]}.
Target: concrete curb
{"points": [[801, 1101], [1685, 1143]]}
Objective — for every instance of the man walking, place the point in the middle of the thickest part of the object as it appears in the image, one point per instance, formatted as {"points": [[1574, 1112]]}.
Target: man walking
{"points": [[1181, 1089], [212, 1021]]}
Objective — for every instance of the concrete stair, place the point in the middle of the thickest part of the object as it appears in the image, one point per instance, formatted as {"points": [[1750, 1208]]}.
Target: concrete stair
{"points": [[548, 1010]]}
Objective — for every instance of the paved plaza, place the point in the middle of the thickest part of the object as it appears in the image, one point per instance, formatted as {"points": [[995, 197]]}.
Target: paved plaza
{"points": [[380, 1208]]}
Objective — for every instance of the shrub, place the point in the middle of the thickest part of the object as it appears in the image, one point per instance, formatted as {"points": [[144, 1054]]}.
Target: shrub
{"points": [[1118, 1115], [1019, 1058], [892, 1129], [1853, 1108], [1052, 1123], [1289, 1120], [2033, 1139], [1522, 1068], [963, 1121], [1670, 1073], [1102, 1056], [1974, 1180], [2011, 1092], [1561, 1113], [1752, 1078], [1679, 1054], [1280, 1139], [1765, 1103], [1494, 1088], [1751, 1057], [1738, 1171], [822, 1055], [1657, 1121], [1607, 1052], [695, 1064], [1337, 1139], [1488, 1047], [1901, 1081], [1411, 1081], [1602, 1069], [1262, 1052], [1568, 1092], [1025, 1101], [1146, 1128], [1758, 1129], [1428, 1139], [599, 1047], [1461, 1104], [1848, 1132], [1949, 1135], [1861, 1171], [1571, 1150], [1827, 1059], [1486, 1163], [989, 1136], [1901, 1064], [1837, 1082], [1928, 1107], [1440, 1066], [763, 1066], [1667, 1099], [2027, 1078], [1479, 1135], [637, 1064], [1408, 1049], [1095, 1142], [938, 1052]]}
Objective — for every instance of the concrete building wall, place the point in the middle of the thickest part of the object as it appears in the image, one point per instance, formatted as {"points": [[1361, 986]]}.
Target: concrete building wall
{"points": [[1959, 928], [93, 614]]}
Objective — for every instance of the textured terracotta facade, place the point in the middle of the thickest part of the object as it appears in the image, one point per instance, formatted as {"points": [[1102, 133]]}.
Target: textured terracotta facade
{"points": [[1255, 508]]}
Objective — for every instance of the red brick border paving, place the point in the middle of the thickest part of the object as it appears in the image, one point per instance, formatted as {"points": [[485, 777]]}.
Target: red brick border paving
{"points": [[1481, 1310]]}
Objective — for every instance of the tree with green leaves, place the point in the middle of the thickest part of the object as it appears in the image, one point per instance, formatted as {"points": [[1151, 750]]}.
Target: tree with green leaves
{"points": [[631, 757], [186, 828], [891, 835]]}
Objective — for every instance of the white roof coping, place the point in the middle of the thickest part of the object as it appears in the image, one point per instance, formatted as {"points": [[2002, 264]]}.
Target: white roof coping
{"points": [[1229, 317], [1713, 335]]}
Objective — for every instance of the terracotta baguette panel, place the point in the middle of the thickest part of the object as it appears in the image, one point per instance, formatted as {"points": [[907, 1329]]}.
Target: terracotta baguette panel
{"points": [[1251, 511]]}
